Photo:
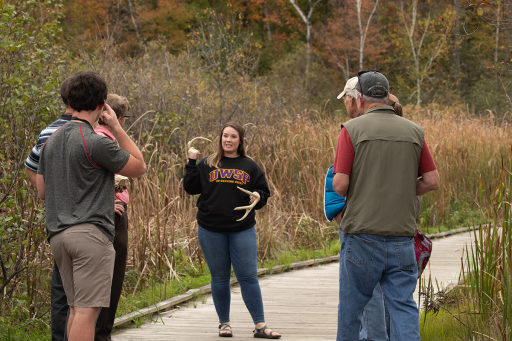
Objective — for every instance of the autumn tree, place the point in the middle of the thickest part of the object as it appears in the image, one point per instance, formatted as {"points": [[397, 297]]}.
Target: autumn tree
{"points": [[228, 54], [307, 18], [344, 40], [129, 22], [426, 40]]}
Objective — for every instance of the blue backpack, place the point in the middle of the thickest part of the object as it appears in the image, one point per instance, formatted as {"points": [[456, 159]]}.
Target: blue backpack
{"points": [[333, 202]]}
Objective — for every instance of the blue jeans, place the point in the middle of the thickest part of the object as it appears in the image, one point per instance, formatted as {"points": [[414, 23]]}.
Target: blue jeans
{"points": [[365, 261], [373, 317], [240, 249]]}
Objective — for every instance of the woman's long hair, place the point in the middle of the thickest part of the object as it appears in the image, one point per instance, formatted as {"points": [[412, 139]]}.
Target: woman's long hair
{"points": [[393, 101], [214, 159]]}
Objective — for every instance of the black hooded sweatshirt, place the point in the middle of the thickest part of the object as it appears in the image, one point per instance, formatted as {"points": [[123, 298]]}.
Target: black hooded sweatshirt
{"points": [[220, 195]]}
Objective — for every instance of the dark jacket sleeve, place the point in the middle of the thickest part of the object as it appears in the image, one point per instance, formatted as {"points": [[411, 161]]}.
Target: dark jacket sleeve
{"points": [[261, 186], [192, 180]]}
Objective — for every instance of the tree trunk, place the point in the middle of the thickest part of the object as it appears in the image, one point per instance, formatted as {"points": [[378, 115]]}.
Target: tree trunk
{"points": [[307, 21], [456, 48], [267, 21], [496, 54], [418, 93], [497, 32], [308, 39], [133, 21], [359, 4]]}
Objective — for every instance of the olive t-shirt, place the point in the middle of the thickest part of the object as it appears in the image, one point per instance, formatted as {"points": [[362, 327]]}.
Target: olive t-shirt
{"points": [[78, 168]]}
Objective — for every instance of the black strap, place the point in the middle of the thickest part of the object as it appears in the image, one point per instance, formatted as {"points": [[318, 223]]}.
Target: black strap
{"points": [[79, 119]]}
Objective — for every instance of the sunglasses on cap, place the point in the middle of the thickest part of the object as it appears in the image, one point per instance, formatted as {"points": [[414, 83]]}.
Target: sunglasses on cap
{"points": [[369, 90], [360, 73]]}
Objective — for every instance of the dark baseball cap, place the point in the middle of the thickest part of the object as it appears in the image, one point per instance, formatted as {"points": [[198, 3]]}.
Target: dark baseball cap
{"points": [[372, 83]]}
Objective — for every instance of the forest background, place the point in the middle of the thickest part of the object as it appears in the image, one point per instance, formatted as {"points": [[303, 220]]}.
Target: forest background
{"points": [[274, 66]]}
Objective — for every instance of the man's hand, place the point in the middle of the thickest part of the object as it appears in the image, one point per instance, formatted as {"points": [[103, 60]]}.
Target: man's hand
{"points": [[193, 153], [119, 207], [428, 182], [337, 218], [340, 183], [109, 117]]}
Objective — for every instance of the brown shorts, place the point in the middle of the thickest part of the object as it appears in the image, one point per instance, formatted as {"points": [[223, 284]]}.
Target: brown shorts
{"points": [[85, 258]]}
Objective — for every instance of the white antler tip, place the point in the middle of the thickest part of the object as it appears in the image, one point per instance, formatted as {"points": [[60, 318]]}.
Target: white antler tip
{"points": [[248, 209]]}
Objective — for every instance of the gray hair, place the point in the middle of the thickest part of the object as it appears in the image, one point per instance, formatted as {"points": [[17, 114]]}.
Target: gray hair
{"points": [[369, 100]]}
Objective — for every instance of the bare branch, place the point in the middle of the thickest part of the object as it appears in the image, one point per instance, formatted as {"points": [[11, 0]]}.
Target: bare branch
{"points": [[302, 15]]}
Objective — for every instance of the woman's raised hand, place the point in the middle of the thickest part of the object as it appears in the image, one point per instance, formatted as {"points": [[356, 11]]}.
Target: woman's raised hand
{"points": [[193, 153]]}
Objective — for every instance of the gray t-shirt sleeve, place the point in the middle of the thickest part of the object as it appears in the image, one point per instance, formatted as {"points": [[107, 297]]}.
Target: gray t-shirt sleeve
{"points": [[107, 154]]}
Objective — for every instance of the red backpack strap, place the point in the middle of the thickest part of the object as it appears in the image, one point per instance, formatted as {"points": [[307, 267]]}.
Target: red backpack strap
{"points": [[87, 150]]}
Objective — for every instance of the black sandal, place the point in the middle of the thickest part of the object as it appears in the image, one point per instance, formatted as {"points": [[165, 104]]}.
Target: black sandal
{"points": [[260, 333], [227, 328]]}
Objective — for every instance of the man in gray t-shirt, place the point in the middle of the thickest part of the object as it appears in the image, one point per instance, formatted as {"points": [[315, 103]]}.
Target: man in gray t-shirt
{"points": [[85, 196], [76, 179]]}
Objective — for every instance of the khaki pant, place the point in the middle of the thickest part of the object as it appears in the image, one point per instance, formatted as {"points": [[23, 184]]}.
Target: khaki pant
{"points": [[85, 257]]}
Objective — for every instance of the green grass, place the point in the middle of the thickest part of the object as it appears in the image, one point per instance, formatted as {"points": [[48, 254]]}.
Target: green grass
{"points": [[160, 292], [441, 327], [457, 319], [458, 215], [285, 258], [28, 330]]}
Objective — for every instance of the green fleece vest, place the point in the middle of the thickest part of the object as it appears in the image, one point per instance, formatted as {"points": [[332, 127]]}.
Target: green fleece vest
{"points": [[382, 191]]}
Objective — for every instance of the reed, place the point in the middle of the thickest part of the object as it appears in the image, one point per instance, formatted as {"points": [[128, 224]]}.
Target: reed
{"points": [[488, 265], [173, 101], [295, 155]]}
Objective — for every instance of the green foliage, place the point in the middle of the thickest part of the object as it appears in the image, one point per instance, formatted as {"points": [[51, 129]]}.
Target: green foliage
{"points": [[441, 327], [229, 56], [159, 291], [222, 43], [27, 330], [319, 85], [458, 214], [29, 98], [488, 267]]}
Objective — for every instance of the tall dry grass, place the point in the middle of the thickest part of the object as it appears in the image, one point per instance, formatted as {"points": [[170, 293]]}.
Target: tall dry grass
{"points": [[173, 100], [295, 154], [468, 150], [484, 306]]}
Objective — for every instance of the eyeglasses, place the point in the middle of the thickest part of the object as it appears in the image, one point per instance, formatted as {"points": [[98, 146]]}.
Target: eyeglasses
{"points": [[126, 116]]}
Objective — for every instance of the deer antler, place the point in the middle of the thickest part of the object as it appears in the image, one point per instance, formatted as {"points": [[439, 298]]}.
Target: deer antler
{"points": [[248, 209], [196, 138]]}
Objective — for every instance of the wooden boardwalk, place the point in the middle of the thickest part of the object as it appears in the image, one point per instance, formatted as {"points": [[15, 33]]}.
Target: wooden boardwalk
{"points": [[301, 304]]}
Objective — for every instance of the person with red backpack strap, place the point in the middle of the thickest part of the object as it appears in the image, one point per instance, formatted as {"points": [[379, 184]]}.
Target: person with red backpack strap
{"points": [[382, 163]]}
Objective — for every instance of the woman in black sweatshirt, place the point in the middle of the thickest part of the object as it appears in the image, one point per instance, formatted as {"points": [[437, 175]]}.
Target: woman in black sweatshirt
{"points": [[224, 240]]}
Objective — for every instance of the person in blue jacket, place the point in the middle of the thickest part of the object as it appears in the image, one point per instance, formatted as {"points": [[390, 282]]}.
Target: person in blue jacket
{"points": [[374, 318]]}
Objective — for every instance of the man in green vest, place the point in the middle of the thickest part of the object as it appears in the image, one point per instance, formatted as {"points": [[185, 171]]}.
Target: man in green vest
{"points": [[382, 163]]}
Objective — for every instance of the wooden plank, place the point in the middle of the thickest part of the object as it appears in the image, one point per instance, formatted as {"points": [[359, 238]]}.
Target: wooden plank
{"points": [[161, 306], [291, 300]]}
